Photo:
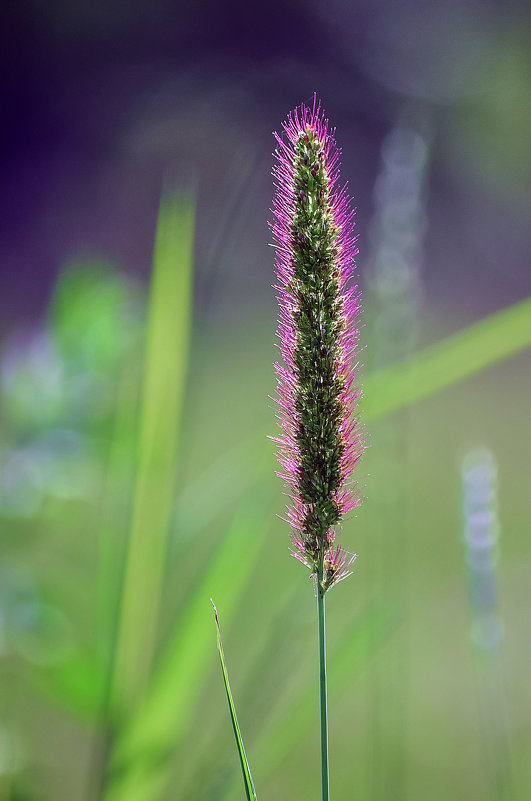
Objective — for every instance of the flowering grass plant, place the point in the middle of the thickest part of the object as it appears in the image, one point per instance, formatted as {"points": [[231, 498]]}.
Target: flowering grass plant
{"points": [[319, 307]]}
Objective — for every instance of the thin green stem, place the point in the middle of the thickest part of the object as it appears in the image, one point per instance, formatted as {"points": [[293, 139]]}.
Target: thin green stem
{"points": [[322, 683]]}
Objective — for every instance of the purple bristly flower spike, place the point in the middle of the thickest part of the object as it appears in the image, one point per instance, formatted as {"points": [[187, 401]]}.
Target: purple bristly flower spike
{"points": [[319, 308]]}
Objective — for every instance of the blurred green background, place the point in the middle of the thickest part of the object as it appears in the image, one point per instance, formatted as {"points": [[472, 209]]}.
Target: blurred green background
{"points": [[136, 477]]}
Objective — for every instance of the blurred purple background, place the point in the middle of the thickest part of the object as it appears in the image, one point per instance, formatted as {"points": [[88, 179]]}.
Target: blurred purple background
{"points": [[103, 101]]}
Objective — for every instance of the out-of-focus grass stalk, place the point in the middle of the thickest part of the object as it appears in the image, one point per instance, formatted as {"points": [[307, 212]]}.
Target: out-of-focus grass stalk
{"points": [[440, 366], [165, 365], [392, 301], [112, 530], [116, 496], [481, 529]]}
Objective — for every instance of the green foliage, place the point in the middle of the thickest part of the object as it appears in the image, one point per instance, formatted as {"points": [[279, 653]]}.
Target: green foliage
{"points": [[126, 560], [90, 301], [158, 729], [460, 356]]}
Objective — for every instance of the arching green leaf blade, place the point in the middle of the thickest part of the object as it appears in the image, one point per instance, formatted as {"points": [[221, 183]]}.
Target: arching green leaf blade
{"points": [[246, 771]]}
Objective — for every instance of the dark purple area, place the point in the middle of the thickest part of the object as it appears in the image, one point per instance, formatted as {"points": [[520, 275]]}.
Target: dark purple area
{"points": [[104, 101]]}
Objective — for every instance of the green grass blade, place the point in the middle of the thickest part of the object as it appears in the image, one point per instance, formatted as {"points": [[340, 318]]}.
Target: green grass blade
{"points": [[246, 771], [165, 367], [114, 511], [481, 345]]}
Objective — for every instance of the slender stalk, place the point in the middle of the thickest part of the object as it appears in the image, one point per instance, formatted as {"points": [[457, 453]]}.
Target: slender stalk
{"points": [[322, 684]]}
